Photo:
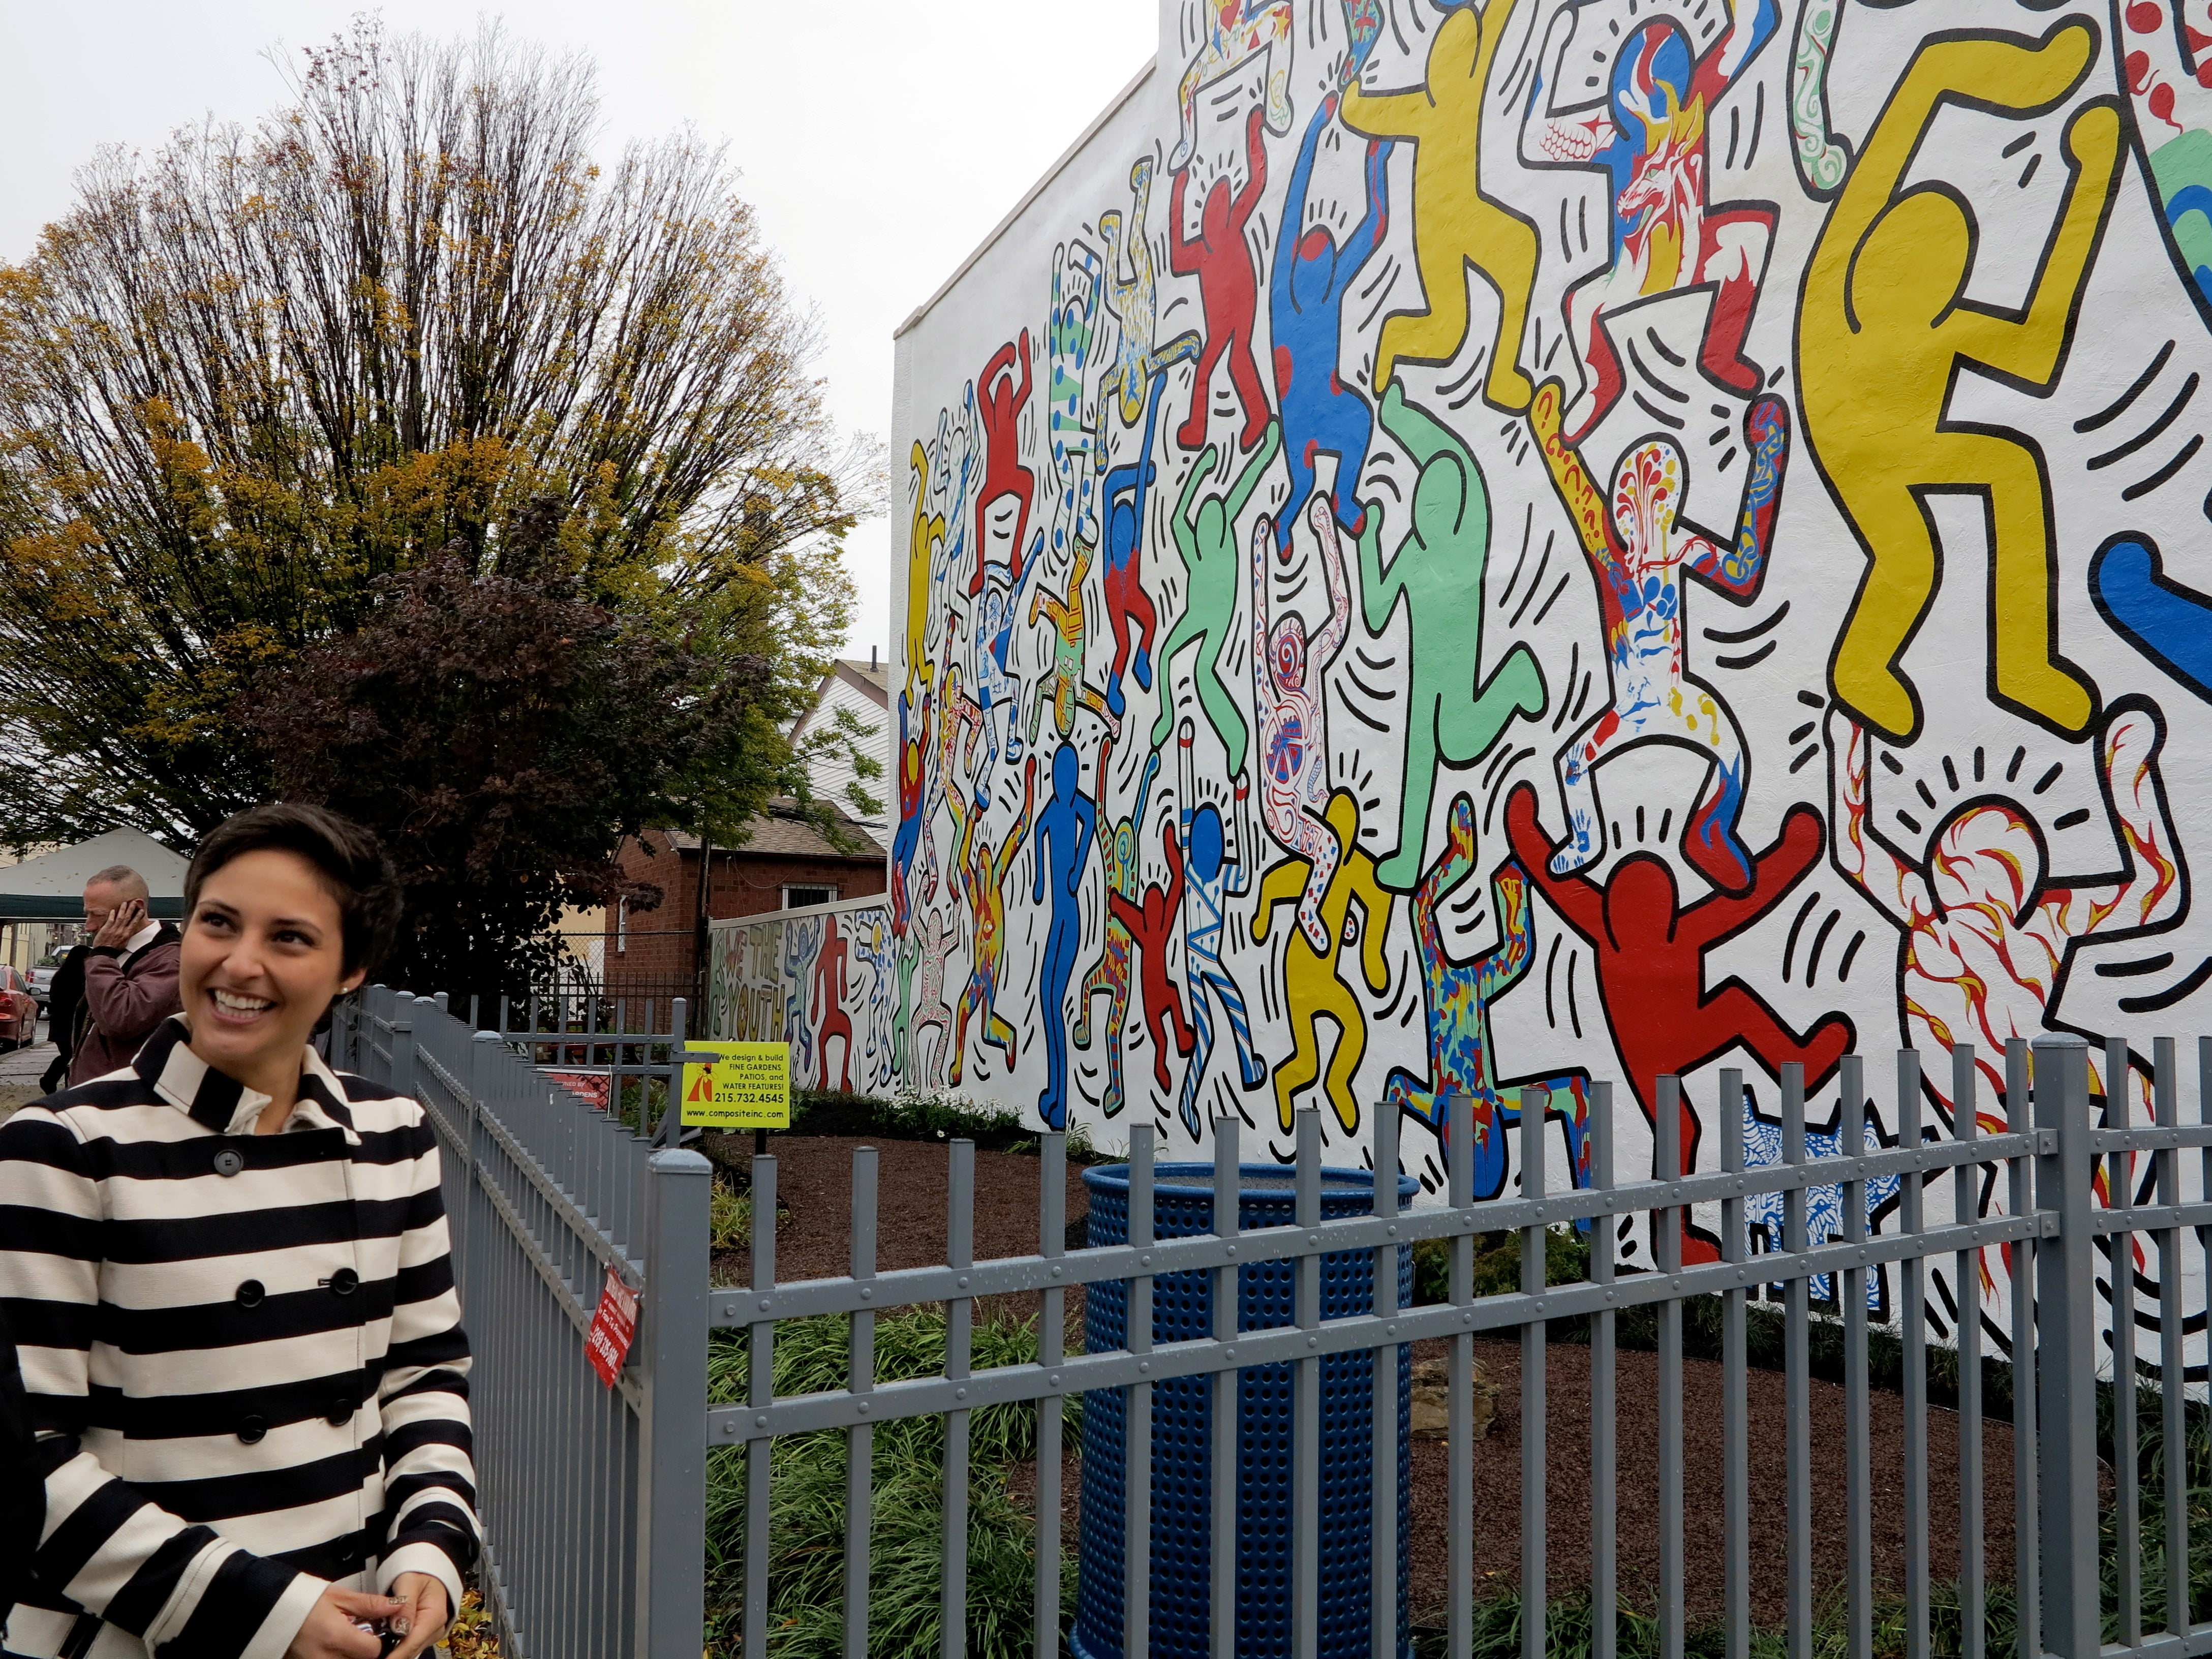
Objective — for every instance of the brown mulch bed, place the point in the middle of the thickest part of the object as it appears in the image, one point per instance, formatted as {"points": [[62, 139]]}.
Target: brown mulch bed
{"points": [[814, 1204], [814, 1177]]}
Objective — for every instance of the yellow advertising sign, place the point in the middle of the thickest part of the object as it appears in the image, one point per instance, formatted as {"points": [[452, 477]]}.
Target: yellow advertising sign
{"points": [[747, 1086]]}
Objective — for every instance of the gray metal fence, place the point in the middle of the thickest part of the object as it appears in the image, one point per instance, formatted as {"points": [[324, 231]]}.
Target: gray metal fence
{"points": [[592, 1498], [593, 1501]]}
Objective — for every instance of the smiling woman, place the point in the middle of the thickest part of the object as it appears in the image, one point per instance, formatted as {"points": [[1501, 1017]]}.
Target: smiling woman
{"points": [[248, 1251]]}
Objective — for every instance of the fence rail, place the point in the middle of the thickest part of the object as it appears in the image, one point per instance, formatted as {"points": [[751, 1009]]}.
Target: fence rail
{"points": [[593, 1500]]}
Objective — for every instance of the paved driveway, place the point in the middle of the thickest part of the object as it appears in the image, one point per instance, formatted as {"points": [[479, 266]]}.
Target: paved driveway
{"points": [[18, 1075]]}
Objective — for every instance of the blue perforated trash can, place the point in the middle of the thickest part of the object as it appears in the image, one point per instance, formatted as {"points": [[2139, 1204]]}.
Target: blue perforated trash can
{"points": [[1182, 1413]]}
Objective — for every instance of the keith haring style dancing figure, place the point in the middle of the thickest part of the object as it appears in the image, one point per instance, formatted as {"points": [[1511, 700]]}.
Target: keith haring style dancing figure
{"points": [[999, 406], [997, 687], [1109, 975], [1312, 985], [1228, 289], [940, 936], [1149, 926], [1312, 273], [1453, 715], [1236, 32], [1065, 831], [1205, 537], [872, 951], [1062, 685], [1133, 301], [1207, 889], [1763, 1148], [1286, 675], [802, 943], [1641, 555], [1881, 337], [1455, 226], [829, 998], [926, 536], [1128, 607], [1648, 138], [913, 792], [1986, 931], [1460, 1048], [1649, 952], [983, 879], [956, 470], [1072, 412]]}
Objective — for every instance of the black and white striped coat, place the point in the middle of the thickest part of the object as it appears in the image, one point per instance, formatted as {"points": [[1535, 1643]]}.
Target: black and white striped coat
{"points": [[243, 1352]]}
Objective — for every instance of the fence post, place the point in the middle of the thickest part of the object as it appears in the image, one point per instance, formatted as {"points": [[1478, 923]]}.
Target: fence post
{"points": [[402, 1079], [2066, 1352], [671, 1352]]}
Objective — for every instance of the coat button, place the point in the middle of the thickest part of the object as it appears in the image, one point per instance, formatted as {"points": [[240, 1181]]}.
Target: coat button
{"points": [[250, 1293], [341, 1412], [228, 1163], [343, 1282], [251, 1429]]}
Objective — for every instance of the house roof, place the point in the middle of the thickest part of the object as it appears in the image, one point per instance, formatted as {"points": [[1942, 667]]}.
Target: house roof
{"points": [[874, 677], [781, 832]]}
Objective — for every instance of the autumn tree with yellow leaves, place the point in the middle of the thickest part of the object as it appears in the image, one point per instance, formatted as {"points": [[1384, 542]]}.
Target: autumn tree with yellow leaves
{"points": [[255, 386]]}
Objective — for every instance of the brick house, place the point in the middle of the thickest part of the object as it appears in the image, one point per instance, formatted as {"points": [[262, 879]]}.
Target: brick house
{"points": [[785, 862]]}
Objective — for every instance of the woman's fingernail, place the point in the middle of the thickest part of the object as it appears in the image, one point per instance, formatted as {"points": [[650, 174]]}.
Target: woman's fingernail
{"points": [[399, 1625]]}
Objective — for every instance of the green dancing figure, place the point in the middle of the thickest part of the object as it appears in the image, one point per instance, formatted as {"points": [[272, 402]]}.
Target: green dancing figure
{"points": [[1207, 538], [1450, 718]]}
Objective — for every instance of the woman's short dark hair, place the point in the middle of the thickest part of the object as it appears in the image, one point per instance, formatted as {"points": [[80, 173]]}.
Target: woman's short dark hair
{"points": [[353, 864]]}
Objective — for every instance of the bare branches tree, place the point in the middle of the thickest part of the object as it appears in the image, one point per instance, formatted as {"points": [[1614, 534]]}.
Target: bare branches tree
{"points": [[249, 375]]}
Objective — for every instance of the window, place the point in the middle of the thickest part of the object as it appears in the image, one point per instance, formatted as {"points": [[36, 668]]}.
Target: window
{"points": [[621, 927], [794, 897]]}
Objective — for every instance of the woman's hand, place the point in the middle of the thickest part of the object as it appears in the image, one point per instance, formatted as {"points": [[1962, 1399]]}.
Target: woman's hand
{"points": [[421, 1613], [333, 1628]]}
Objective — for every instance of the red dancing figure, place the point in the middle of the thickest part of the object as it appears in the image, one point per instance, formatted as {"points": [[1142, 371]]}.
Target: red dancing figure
{"points": [[1148, 929], [1649, 954], [829, 997], [1229, 288], [1000, 402]]}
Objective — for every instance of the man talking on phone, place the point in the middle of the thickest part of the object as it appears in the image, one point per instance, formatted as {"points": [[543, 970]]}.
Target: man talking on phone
{"points": [[130, 974]]}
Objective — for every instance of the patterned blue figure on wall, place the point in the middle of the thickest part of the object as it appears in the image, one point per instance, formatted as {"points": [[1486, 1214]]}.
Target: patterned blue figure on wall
{"points": [[1207, 862], [1824, 1205], [1312, 273], [1065, 831], [1461, 1051]]}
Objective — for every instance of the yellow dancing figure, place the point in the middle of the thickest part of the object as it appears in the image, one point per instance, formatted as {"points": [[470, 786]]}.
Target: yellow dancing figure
{"points": [[1454, 224], [1882, 336]]}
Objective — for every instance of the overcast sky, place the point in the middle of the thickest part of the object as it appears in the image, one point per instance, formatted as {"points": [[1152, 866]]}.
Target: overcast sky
{"points": [[879, 139]]}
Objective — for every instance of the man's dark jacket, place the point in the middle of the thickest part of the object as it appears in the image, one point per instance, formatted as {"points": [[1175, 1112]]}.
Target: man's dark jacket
{"points": [[63, 997], [126, 996]]}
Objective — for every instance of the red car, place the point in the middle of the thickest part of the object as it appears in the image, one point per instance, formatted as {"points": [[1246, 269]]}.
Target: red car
{"points": [[19, 1011]]}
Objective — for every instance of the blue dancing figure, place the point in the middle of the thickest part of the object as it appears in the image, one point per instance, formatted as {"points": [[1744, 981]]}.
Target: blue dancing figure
{"points": [[2164, 619], [1064, 833], [1207, 863], [1312, 273], [1127, 606]]}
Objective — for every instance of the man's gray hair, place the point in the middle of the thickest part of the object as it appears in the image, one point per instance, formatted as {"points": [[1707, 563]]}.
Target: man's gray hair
{"points": [[127, 883]]}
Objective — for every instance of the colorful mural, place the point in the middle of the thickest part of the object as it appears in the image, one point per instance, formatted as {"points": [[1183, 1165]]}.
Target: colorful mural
{"points": [[1581, 539]]}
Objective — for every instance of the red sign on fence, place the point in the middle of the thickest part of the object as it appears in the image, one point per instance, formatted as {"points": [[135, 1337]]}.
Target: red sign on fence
{"points": [[613, 1327]]}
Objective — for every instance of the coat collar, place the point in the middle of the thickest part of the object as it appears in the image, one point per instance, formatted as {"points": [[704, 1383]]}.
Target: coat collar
{"points": [[221, 1104]]}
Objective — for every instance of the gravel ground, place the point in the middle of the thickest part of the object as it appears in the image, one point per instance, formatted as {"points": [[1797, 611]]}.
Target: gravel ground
{"points": [[814, 1188]]}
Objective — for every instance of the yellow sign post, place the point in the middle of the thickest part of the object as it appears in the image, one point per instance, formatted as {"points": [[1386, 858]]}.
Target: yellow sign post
{"points": [[746, 1086]]}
